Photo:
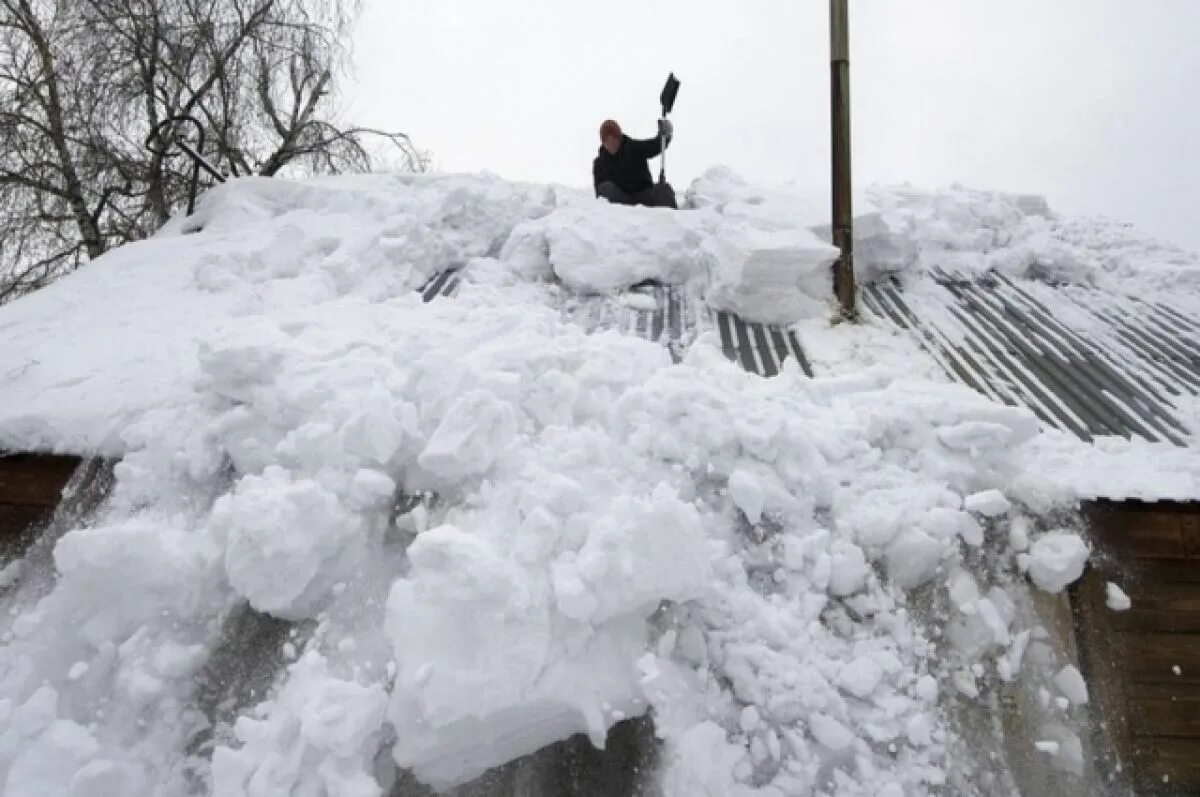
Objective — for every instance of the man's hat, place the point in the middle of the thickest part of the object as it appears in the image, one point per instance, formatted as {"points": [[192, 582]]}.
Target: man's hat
{"points": [[610, 128]]}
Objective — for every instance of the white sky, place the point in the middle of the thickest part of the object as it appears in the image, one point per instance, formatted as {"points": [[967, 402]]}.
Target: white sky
{"points": [[1092, 103]]}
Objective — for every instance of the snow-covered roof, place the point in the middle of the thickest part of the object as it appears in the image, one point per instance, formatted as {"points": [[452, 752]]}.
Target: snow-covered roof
{"points": [[514, 514]]}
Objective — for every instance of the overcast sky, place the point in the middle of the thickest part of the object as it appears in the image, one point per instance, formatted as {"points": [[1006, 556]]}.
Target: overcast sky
{"points": [[1092, 103]]}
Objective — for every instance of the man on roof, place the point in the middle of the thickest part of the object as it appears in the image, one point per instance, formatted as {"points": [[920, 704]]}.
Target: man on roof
{"points": [[620, 172]]}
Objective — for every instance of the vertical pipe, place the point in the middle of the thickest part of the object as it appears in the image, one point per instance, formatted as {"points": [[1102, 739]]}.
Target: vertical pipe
{"points": [[843, 213]]}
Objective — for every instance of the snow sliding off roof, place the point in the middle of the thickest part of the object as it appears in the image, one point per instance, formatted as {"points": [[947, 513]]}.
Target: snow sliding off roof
{"points": [[479, 526]]}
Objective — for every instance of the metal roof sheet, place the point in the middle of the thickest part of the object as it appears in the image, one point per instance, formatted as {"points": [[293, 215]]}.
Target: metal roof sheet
{"points": [[1084, 360]]}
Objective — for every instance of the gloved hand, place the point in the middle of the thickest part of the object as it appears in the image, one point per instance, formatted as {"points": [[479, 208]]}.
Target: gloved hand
{"points": [[665, 128]]}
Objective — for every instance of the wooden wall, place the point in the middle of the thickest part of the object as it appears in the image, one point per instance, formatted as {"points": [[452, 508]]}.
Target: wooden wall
{"points": [[1144, 664], [30, 488]]}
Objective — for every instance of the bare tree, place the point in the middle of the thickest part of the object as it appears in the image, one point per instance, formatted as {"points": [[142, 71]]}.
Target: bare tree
{"points": [[85, 84]]}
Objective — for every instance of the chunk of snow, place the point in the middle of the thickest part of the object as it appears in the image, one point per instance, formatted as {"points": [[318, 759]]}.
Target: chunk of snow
{"points": [[860, 677], [1115, 598], [598, 247], [829, 732], [287, 573], [1018, 533], [749, 719], [847, 569], [768, 275], [747, 494], [989, 503], [474, 431], [964, 592], [1056, 559], [1070, 682], [913, 558]]}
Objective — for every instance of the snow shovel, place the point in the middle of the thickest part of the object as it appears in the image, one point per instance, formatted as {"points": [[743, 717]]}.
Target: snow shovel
{"points": [[667, 98]]}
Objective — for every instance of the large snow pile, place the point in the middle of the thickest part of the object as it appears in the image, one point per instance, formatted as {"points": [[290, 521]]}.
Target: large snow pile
{"points": [[590, 531], [755, 265], [965, 231]]}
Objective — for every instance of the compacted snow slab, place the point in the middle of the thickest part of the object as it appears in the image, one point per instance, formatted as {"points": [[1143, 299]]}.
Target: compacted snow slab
{"points": [[760, 273]]}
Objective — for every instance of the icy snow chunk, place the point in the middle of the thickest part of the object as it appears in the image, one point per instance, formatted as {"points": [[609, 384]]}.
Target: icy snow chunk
{"points": [[747, 493], [692, 646], [1115, 598], [378, 428], [989, 503], [964, 591], [1018, 534], [721, 189], [486, 667], [990, 616], [130, 573], [648, 550], [860, 677], [1070, 682], [287, 541], [829, 732], [702, 764], [1065, 747], [495, 659], [370, 489], [476, 428], [320, 731], [913, 558], [964, 682], [102, 778], [639, 301], [1056, 559], [919, 729], [847, 568], [975, 435], [48, 764], [945, 523], [604, 248], [1009, 665], [468, 618], [767, 275], [927, 688]]}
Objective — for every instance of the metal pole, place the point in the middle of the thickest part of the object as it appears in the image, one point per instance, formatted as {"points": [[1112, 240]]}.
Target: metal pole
{"points": [[662, 151], [843, 212]]}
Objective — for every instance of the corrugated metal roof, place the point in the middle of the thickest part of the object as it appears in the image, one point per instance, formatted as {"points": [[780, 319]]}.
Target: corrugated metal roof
{"points": [[676, 320], [1084, 360], [444, 283]]}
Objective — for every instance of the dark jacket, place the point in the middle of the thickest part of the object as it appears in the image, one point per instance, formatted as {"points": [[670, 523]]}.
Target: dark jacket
{"points": [[628, 168]]}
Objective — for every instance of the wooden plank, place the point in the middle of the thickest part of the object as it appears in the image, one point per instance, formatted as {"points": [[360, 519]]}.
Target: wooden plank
{"points": [[1189, 525], [1160, 595], [1165, 765], [1125, 532], [34, 479], [1181, 571], [16, 523], [1141, 620], [1101, 657], [16, 518], [1151, 657], [1166, 716]]}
